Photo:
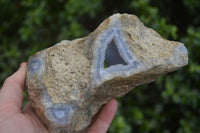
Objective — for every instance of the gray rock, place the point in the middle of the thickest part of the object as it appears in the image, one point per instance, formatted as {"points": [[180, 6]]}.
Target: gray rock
{"points": [[68, 83]]}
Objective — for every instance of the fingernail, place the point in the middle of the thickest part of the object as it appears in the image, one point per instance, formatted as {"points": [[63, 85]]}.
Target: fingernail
{"points": [[22, 64]]}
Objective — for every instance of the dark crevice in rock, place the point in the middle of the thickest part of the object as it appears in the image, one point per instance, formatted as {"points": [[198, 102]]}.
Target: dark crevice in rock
{"points": [[112, 56]]}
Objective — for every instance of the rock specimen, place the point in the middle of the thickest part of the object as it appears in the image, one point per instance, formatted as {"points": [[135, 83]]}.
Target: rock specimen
{"points": [[68, 83]]}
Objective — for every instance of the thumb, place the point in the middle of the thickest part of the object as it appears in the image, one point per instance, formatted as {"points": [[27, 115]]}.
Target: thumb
{"points": [[11, 94]]}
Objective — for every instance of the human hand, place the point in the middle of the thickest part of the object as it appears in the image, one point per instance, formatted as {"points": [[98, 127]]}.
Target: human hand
{"points": [[15, 120]]}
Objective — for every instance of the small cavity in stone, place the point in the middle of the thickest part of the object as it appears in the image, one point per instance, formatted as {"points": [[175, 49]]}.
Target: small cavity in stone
{"points": [[35, 65], [60, 114], [112, 56]]}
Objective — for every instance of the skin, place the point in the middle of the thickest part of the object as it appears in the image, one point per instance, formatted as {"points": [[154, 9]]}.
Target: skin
{"points": [[13, 119]]}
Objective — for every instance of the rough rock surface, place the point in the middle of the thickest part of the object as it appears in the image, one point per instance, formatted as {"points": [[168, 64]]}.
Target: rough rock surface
{"points": [[69, 82]]}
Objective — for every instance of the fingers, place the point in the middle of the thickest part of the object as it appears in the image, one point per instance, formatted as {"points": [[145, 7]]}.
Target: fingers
{"points": [[11, 94], [104, 118]]}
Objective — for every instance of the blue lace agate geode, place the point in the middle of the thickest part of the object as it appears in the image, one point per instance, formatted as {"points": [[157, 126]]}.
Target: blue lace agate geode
{"points": [[68, 83]]}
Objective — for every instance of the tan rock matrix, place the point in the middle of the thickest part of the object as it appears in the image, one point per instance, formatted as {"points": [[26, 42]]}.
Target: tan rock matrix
{"points": [[68, 83]]}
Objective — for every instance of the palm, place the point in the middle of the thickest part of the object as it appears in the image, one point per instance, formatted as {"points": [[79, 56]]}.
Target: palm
{"points": [[21, 123], [15, 120]]}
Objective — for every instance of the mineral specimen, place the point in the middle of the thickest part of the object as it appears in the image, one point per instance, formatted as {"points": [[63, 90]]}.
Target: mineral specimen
{"points": [[68, 83]]}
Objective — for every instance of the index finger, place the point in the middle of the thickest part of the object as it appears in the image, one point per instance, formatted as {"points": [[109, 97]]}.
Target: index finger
{"points": [[104, 118]]}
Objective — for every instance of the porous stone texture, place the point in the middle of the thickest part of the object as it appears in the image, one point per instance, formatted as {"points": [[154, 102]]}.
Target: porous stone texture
{"points": [[68, 83]]}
